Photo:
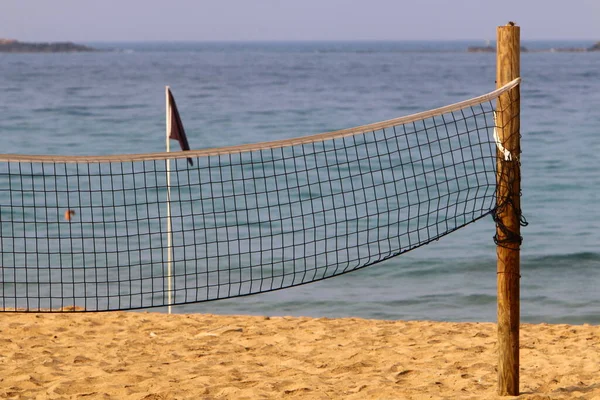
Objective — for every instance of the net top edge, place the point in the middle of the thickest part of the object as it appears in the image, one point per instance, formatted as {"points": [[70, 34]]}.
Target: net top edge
{"points": [[302, 140]]}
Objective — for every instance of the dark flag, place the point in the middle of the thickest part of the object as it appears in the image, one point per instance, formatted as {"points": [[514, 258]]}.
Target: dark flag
{"points": [[176, 131]]}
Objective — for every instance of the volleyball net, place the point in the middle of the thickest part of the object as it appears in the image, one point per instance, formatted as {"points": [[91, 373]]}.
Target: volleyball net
{"points": [[90, 233]]}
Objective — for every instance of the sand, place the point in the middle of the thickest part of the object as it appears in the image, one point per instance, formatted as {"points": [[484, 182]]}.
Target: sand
{"points": [[156, 356]]}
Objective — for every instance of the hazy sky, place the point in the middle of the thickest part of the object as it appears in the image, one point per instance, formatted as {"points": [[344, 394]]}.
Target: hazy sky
{"points": [[199, 20]]}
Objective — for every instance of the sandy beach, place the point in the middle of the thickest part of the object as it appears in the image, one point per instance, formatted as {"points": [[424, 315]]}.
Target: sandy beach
{"points": [[135, 355]]}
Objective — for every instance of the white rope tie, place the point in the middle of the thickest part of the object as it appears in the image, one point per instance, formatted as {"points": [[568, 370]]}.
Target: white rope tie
{"points": [[507, 155]]}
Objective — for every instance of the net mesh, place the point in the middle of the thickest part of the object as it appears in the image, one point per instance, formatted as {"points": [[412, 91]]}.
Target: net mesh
{"points": [[91, 234]]}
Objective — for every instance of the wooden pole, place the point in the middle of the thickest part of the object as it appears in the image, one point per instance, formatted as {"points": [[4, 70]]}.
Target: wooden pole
{"points": [[508, 214]]}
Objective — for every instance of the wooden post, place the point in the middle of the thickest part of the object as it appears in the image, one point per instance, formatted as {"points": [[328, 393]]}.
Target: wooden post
{"points": [[508, 214]]}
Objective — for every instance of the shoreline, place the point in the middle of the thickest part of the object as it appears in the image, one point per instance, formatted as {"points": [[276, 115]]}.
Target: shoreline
{"points": [[141, 355]]}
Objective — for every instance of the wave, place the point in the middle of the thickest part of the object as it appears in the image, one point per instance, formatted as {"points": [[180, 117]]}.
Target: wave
{"points": [[579, 261]]}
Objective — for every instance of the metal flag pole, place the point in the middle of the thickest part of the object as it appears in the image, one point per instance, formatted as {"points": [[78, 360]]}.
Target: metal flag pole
{"points": [[169, 230]]}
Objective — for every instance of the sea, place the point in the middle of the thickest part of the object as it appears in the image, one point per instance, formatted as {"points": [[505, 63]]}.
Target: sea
{"points": [[112, 102]]}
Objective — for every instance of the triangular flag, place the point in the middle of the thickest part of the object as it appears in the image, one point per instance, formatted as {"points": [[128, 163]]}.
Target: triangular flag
{"points": [[176, 131]]}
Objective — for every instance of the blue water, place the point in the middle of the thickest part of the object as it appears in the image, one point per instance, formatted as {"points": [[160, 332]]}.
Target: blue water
{"points": [[232, 93]]}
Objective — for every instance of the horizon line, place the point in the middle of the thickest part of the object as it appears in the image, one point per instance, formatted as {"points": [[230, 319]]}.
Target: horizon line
{"points": [[324, 40], [290, 40]]}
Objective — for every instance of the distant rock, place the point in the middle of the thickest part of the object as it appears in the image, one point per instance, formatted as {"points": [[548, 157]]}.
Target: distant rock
{"points": [[488, 49], [595, 47], [568, 50], [481, 49], [14, 46]]}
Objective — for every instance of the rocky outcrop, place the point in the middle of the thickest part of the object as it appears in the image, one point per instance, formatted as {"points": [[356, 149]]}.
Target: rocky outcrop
{"points": [[488, 49], [14, 46], [595, 47], [481, 49]]}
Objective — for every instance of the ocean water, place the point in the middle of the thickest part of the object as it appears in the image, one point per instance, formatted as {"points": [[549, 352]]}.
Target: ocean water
{"points": [[112, 102]]}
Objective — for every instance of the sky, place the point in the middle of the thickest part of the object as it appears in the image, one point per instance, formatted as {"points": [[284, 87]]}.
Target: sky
{"points": [[269, 20]]}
